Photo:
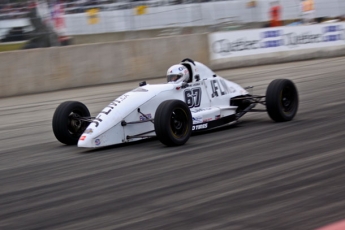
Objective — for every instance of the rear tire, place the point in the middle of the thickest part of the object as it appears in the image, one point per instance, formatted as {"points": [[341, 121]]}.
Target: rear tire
{"points": [[282, 100], [173, 122], [66, 128]]}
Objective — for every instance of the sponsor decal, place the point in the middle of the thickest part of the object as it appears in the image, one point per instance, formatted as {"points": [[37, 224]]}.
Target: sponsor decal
{"points": [[217, 88], [333, 33], [197, 120], [194, 84], [207, 120], [121, 98], [111, 107], [146, 117], [224, 46], [217, 117], [97, 142], [82, 138], [200, 110], [330, 33], [139, 89], [201, 126], [88, 131], [272, 38], [294, 39]]}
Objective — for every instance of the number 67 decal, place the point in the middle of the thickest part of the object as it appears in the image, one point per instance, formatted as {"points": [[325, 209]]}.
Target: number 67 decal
{"points": [[193, 97]]}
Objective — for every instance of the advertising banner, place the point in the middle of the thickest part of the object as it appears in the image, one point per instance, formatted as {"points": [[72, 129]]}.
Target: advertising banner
{"points": [[269, 40]]}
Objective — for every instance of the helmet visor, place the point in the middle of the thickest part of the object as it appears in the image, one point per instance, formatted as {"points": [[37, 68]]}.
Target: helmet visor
{"points": [[173, 77]]}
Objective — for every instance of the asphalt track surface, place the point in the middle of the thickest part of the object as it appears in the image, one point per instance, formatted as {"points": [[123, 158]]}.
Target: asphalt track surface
{"points": [[255, 175]]}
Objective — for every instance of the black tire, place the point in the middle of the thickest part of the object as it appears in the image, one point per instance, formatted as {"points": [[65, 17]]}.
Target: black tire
{"points": [[66, 129], [282, 100], [173, 122]]}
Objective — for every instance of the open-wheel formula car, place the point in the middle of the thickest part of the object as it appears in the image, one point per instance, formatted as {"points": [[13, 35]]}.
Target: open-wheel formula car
{"points": [[194, 99]]}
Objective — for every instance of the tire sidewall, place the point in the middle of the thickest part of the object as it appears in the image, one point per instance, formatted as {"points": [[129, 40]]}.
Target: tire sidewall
{"points": [[61, 119], [163, 122], [291, 114], [274, 103]]}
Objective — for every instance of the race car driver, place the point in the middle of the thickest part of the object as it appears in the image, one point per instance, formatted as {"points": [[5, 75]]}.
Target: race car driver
{"points": [[177, 73]]}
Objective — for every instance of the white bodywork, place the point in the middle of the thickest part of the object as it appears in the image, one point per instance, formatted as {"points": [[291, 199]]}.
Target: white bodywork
{"points": [[208, 100]]}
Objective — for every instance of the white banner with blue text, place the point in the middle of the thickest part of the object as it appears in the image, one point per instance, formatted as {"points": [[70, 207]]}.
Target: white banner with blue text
{"points": [[269, 40]]}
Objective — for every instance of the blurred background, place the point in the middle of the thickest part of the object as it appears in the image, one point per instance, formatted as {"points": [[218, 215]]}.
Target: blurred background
{"points": [[65, 22]]}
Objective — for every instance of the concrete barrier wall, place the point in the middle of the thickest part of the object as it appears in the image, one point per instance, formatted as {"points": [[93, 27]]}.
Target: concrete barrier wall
{"points": [[41, 70]]}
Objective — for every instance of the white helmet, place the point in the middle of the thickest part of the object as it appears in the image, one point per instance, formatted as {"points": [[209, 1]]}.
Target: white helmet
{"points": [[177, 73]]}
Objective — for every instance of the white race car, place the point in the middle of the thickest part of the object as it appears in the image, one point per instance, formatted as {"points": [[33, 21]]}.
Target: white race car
{"points": [[194, 99]]}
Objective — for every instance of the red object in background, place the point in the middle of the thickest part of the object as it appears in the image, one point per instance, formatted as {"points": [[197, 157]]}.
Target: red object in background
{"points": [[275, 13], [32, 5], [58, 16], [336, 226]]}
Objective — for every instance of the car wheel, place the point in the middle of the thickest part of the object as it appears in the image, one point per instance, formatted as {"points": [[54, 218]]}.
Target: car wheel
{"points": [[67, 127], [173, 122], [281, 100]]}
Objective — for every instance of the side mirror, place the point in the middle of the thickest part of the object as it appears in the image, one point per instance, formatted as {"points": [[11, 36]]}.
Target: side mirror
{"points": [[197, 77], [142, 83]]}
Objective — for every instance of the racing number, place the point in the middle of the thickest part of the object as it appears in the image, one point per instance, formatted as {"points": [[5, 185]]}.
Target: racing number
{"points": [[193, 97]]}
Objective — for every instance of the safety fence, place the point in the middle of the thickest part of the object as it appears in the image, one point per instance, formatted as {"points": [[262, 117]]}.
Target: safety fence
{"points": [[105, 20]]}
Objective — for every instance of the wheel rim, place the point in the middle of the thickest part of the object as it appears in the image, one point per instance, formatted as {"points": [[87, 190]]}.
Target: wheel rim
{"points": [[288, 99], [179, 122], [75, 125]]}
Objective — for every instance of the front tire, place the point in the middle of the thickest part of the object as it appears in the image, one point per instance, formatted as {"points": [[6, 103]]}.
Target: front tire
{"points": [[173, 122], [282, 100], [67, 127]]}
